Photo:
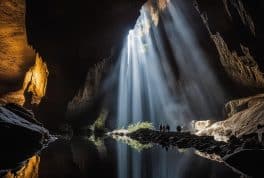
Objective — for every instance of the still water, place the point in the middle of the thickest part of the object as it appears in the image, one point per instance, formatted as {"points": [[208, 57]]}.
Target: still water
{"points": [[82, 157]]}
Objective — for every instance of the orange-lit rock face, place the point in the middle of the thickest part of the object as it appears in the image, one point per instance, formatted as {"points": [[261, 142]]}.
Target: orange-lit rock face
{"points": [[36, 80], [15, 54], [16, 57], [29, 170]]}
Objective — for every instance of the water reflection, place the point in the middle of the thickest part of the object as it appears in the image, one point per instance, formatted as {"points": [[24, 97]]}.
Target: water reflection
{"points": [[81, 157], [28, 170], [161, 163]]}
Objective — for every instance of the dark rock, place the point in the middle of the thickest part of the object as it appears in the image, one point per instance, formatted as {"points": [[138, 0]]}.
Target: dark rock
{"points": [[22, 112], [248, 162], [20, 138], [205, 144]]}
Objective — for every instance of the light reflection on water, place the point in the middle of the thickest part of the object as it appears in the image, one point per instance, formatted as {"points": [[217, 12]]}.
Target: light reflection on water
{"points": [[173, 163], [81, 158]]}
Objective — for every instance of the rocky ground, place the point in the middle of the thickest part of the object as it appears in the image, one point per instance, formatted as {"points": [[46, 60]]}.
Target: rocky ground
{"points": [[244, 154], [205, 144]]}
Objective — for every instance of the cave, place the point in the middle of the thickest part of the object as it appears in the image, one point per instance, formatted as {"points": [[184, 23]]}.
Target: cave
{"points": [[131, 88]]}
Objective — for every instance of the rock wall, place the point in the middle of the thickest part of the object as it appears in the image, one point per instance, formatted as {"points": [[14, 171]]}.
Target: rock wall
{"points": [[33, 88], [16, 56], [17, 77], [240, 64], [86, 96], [77, 37]]}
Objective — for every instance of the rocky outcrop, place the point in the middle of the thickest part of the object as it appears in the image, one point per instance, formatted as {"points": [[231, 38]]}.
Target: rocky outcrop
{"points": [[34, 86], [244, 117], [20, 134]]}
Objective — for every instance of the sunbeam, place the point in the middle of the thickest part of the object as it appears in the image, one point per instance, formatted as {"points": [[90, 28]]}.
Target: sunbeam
{"points": [[146, 91]]}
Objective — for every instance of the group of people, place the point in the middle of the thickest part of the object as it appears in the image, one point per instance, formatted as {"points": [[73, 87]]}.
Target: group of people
{"points": [[166, 128]]}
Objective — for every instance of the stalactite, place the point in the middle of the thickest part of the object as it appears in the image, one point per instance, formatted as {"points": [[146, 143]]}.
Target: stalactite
{"points": [[243, 69], [244, 15]]}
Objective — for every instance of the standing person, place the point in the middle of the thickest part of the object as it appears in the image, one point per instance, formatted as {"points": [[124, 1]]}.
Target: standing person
{"points": [[260, 132], [163, 128], [160, 127], [178, 128], [168, 128]]}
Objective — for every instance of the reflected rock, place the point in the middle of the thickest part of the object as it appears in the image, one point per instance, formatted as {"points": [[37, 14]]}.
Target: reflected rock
{"points": [[29, 170], [247, 162], [20, 134]]}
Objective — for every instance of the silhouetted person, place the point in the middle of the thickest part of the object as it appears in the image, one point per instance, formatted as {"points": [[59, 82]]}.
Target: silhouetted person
{"points": [[260, 132], [163, 128], [160, 127], [178, 128], [167, 128]]}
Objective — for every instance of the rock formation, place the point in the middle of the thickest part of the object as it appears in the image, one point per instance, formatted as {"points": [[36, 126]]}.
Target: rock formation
{"points": [[241, 68], [86, 96], [244, 115], [35, 84], [244, 15]]}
